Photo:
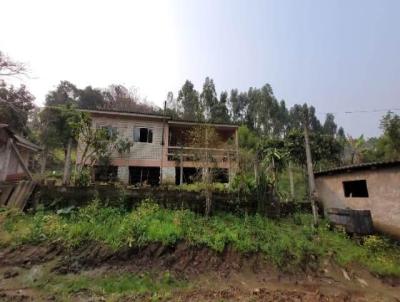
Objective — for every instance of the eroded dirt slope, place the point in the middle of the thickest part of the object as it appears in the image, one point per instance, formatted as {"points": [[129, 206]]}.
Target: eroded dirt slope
{"points": [[208, 276]]}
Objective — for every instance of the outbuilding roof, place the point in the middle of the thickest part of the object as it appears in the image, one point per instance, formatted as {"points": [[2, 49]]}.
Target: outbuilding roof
{"points": [[19, 140], [358, 167]]}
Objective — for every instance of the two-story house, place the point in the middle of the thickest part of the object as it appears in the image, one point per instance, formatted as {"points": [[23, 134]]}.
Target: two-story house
{"points": [[162, 149]]}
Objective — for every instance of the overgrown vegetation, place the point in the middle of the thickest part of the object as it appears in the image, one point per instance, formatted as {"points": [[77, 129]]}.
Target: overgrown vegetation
{"points": [[290, 243]]}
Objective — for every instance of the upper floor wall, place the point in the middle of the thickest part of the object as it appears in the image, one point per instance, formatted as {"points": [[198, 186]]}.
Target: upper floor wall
{"points": [[151, 136], [145, 135]]}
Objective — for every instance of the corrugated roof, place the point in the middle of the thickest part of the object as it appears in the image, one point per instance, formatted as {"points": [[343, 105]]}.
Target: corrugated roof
{"points": [[127, 112], [358, 167], [23, 142], [27, 144]]}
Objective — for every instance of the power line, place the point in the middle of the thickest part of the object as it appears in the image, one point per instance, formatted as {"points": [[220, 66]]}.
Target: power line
{"points": [[361, 111]]}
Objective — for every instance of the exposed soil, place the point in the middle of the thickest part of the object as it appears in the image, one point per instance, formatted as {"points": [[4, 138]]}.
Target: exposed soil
{"points": [[226, 276]]}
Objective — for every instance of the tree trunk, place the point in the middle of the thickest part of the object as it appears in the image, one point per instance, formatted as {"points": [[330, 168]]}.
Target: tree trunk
{"points": [[256, 170], [311, 181], [44, 162], [67, 165], [291, 182]]}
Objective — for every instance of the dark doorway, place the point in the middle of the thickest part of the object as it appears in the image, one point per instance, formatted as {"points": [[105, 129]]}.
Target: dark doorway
{"points": [[144, 176], [221, 175], [190, 175], [105, 173], [355, 188]]}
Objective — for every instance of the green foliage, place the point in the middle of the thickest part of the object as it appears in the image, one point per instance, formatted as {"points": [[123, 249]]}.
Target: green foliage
{"points": [[299, 180], [389, 143], [243, 183], [200, 187], [188, 97], [82, 178], [247, 138], [289, 243]]}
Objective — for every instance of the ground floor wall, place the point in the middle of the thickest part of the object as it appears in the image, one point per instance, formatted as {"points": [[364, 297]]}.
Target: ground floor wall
{"points": [[383, 200], [143, 175]]}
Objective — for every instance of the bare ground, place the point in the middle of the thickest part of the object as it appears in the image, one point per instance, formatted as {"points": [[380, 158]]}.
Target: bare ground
{"points": [[227, 276]]}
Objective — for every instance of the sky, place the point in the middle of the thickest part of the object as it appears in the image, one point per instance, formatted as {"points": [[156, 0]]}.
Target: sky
{"points": [[339, 55]]}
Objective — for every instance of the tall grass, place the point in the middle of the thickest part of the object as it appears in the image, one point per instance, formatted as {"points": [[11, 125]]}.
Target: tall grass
{"points": [[289, 243]]}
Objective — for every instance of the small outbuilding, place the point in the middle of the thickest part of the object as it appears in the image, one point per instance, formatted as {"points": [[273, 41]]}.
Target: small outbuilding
{"points": [[15, 152], [371, 186]]}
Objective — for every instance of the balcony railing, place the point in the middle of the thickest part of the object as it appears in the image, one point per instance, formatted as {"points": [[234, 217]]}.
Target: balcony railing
{"points": [[177, 153]]}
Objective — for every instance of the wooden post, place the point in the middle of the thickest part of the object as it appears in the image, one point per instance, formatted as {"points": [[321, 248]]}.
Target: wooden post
{"points": [[67, 165], [311, 181], [164, 143], [237, 149], [181, 167], [3, 177], [20, 159]]}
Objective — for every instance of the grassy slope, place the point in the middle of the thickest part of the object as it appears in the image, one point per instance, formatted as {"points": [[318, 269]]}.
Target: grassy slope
{"points": [[289, 243]]}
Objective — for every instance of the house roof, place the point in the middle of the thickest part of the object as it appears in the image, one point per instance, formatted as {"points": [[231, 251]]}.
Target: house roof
{"points": [[126, 113], [19, 140], [157, 116], [188, 122], [359, 167]]}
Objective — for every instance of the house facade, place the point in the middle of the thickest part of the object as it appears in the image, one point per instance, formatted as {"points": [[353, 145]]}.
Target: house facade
{"points": [[162, 149], [373, 186]]}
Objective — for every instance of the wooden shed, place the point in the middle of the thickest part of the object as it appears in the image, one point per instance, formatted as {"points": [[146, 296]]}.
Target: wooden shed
{"points": [[15, 152]]}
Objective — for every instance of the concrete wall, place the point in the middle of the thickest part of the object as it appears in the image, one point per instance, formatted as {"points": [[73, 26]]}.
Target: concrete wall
{"points": [[383, 201]]}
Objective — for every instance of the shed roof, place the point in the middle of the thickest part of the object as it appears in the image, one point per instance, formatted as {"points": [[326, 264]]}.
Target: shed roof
{"points": [[19, 140], [359, 167]]}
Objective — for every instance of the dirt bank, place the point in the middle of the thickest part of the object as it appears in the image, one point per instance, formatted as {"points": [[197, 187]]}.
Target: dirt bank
{"points": [[209, 276]]}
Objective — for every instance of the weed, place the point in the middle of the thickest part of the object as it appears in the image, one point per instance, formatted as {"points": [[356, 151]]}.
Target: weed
{"points": [[289, 243]]}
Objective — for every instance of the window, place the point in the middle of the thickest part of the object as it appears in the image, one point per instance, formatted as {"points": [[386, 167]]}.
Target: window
{"points": [[143, 135], [355, 188], [111, 131]]}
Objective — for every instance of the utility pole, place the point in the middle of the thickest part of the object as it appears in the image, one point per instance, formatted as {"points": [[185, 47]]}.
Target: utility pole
{"points": [[311, 181]]}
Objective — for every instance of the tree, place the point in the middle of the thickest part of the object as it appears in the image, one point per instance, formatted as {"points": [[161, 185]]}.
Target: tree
{"points": [[296, 118], [15, 106], [219, 113], [202, 139], [189, 98], [357, 149], [59, 115], [98, 143], [238, 103], [120, 98], [209, 100], [15, 102], [65, 93], [174, 108], [90, 98], [9, 67], [330, 127], [390, 141]]}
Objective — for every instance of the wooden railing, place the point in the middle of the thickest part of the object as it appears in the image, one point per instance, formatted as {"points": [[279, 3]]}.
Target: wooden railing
{"points": [[178, 153]]}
